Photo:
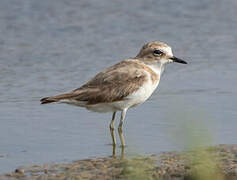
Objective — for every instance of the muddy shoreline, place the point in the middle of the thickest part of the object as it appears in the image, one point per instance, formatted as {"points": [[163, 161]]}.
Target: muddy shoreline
{"points": [[218, 162]]}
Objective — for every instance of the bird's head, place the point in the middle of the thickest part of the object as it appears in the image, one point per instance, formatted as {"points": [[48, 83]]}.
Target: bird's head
{"points": [[158, 52]]}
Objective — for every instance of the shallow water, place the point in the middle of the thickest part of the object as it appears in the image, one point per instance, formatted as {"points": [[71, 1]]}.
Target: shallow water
{"points": [[49, 47]]}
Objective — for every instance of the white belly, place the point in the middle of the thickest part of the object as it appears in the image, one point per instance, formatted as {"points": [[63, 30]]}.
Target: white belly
{"points": [[132, 100]]}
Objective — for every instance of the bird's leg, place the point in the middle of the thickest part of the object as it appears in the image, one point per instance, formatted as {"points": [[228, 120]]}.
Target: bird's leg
{"points": [[111, 126], [122, 152], [114, 152], [120, 128]]}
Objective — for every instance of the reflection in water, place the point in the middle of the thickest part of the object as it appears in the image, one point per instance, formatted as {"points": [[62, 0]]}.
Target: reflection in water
{"points": [[114, 152]]}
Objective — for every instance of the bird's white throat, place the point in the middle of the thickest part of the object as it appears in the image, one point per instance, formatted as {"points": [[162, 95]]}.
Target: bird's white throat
{"points": [[158, 68]]}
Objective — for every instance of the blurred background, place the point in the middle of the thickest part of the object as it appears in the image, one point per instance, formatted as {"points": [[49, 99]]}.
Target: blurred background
{"points": [[52, 46]]}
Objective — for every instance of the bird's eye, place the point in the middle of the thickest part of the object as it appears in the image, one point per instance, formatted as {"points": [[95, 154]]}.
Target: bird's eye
{"points": [[157, 52]]}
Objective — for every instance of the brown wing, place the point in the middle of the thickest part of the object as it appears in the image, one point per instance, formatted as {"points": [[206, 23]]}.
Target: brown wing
{"points": [[113, 84]]}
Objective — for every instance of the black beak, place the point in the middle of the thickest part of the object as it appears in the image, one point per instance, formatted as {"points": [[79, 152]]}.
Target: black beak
{"points": [[175, 59]]}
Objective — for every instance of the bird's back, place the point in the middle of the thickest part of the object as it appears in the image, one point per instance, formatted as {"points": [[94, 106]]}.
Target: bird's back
{"points": [[129, 79]]}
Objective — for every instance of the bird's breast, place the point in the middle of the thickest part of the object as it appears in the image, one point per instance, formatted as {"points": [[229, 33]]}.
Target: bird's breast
{"points": [[145, 91]]}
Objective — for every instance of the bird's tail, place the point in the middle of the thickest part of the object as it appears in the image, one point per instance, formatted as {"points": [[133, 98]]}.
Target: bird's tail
{"points": [[53, 99], [47, 100]]}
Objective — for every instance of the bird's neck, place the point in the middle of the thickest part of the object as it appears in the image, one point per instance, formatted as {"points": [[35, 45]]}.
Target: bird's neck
{"points": [[158, 68]]}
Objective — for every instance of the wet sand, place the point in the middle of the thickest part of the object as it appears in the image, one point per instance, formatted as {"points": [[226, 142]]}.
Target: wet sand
{"points": [[219, 162]]}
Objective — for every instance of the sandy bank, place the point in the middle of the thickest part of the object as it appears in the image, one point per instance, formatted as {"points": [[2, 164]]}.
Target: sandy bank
{"points": [[219, 162]]}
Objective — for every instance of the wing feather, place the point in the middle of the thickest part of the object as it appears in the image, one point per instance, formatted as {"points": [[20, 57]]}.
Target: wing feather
{"points": [[113, 84]]}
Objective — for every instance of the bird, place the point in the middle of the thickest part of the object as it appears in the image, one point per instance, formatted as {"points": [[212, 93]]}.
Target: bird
{"points": [[124, 85]]}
